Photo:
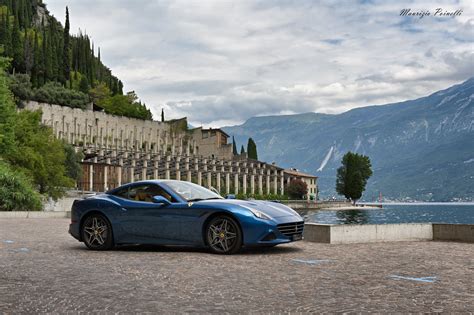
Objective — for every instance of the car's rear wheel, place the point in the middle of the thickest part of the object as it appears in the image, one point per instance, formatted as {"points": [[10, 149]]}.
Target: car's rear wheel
{"points": [[223, 235], [97, 232]]}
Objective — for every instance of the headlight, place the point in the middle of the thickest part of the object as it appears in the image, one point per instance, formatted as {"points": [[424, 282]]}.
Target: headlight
{"points": [[260, 214]]}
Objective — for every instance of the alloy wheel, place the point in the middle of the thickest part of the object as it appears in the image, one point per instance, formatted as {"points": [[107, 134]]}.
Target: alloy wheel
{"points": [[97, 233], [223, 235]]}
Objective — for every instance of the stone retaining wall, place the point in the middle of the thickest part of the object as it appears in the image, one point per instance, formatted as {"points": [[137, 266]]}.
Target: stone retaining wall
{"points": [[353, 233], [453, 232]]}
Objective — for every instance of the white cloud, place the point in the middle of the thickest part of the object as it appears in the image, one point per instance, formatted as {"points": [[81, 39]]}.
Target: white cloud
{"points": [[220, 62]]}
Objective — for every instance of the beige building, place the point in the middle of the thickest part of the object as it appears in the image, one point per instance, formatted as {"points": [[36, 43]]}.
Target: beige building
{"points": [[212, 143], [310, 180]]}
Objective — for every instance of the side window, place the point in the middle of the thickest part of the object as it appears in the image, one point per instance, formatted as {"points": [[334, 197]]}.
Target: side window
{"points": [[145, 193], [122, 193]]}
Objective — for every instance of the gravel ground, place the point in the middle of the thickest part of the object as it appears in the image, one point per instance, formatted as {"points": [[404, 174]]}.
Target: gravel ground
{"points": [[43, 269]]}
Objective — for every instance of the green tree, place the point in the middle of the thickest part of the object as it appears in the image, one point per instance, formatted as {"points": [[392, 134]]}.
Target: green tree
{"points": [[16, 192], [7, 111], [99, 93], [66, 60], [162, 115], [252, 149], [234, 146], [352, 176], [20, 85], [39, 155], [296, 189], [84, 85], [242, 150]]}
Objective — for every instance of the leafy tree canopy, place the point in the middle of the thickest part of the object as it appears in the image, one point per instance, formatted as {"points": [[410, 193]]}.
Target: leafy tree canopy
{"points": [[296, 189], [352, 176], [16, 191]]}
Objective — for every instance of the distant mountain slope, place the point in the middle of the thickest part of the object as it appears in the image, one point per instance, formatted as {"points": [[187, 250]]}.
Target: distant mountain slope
{"points": [[421, 149]]}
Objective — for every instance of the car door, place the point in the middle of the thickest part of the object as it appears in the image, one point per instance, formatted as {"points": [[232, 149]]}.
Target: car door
{"points": [[145, 221]]}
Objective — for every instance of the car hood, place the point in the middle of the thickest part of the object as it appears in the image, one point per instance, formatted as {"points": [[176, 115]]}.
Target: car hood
{"points": [[272, 209]]}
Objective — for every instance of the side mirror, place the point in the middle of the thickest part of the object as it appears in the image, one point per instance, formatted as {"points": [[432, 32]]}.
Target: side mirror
{"points": [[161, 200], [230, 197]]}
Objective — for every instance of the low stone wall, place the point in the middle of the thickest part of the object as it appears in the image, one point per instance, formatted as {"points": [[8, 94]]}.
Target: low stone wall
{"points": [[453, 232], [352, 233], [315, 205], [34, 214]]}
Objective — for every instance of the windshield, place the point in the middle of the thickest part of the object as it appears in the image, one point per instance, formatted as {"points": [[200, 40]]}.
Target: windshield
{"points": [[192, 192]]}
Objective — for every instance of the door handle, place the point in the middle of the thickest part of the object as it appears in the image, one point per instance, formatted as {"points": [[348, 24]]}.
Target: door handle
{"points": [[123, 209]]}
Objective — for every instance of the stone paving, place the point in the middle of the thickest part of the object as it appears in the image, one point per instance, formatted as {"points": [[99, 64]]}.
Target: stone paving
{"points": [[43, 269]]}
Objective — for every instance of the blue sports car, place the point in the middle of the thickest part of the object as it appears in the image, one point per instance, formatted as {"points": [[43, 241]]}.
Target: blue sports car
{"points": [[171, 212]]}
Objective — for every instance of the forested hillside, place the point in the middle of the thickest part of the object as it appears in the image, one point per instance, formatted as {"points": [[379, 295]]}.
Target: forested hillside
{"points": [[51, 65]]}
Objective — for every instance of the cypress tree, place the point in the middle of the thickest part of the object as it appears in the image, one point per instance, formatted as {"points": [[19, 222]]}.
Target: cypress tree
{"points": [[84, 85], [36, 62], [162, 115], [252, 149], [234, 146], [16, 44], [66, 60], [242, 150]]}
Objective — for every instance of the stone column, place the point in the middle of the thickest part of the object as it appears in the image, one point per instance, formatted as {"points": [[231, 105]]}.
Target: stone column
{"points": [[252, 180], [144, 169], [260, 182], [268, 182], [209, 180], [167, 167], [156, 174], [106, 174], [244, 182], [196, 166], [119, 172], [178, 169], [227, 183], [218, 181], [199, 178], [275, 182], [236, 182], [91, 177], [282, 183], [173, 145], [188, 171], [132, 170]]}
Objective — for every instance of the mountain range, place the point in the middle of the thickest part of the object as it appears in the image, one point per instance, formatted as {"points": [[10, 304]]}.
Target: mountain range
{"points": [[420, 149]]}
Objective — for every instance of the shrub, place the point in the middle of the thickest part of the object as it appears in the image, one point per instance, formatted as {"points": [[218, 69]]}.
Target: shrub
{"points": [[16, 192], [55, 93], [20, 86]]}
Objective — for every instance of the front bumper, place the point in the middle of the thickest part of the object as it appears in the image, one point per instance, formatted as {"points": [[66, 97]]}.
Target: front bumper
{"points": [[74, 231], [267, 232]]}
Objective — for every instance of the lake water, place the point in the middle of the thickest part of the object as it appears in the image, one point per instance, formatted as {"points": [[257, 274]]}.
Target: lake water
{"points": [[398, 213]]}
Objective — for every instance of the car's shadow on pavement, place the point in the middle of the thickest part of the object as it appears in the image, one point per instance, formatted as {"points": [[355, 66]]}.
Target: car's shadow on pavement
{"points": [[276, 250]]}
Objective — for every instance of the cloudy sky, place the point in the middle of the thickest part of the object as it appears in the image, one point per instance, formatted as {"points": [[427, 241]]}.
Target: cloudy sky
{"points": [[222, 62]]}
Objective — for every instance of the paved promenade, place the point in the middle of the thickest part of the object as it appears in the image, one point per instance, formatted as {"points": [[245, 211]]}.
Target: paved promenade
{"points": [[43, 269]]}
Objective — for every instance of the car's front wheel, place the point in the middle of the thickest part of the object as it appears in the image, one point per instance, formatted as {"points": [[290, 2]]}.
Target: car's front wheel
{"points": [[223, 235], [97, 232]]}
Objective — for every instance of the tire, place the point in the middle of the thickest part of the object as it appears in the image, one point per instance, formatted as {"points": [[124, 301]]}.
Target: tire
{"points": [[223, 235], [96, 232]]}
